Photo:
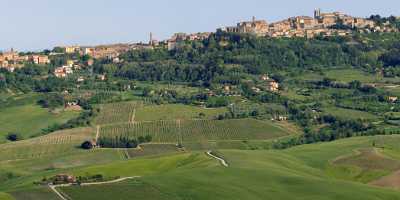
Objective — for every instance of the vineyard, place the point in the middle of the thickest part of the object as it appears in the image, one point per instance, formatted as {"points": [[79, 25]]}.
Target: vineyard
{"points": [[57, 143], [176, 111], [117, 113], [181, 131]]}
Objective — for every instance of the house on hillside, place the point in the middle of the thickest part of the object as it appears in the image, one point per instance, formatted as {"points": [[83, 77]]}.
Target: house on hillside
{"points": [[39, 59], [393, 99], [62, 72], [63, 179], [272, 85]]}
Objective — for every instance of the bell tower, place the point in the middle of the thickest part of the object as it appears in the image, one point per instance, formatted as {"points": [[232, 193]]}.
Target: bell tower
{"points": [[317, 13], [151, 39]]}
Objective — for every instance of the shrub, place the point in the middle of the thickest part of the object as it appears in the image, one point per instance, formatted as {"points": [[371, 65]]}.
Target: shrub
{"points": [[13, 137], [148, 138], [87, 145], [141, 139]]}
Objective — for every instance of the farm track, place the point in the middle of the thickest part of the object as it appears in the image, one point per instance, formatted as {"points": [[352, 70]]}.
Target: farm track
{"points": [[59, 194], [97, 133], [223, 162]]}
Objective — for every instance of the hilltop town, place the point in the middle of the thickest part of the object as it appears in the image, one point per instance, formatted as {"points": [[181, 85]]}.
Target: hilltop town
{"points": [[321, 24], [325, 24]]}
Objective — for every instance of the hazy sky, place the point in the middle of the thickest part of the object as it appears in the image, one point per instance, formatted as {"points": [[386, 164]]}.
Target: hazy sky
{"points": [[39, 24]]}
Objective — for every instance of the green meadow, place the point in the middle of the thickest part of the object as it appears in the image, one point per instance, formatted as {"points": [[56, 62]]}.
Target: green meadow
{"points": [[315, 171], [30, 119], [298, 173]]}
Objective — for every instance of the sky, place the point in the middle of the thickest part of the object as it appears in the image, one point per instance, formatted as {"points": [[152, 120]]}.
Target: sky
{"points": [[32, 25]]}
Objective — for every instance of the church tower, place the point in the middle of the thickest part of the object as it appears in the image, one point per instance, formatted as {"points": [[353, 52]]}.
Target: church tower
{"points": [[317, 13], [151, 39]]}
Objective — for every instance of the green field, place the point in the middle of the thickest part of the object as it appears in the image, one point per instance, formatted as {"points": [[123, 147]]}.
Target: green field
{"points": [[151, 150], [349, 113], [345, 74], [124, 190], [4, 196], [29, 120], [257, 174], [341, 169], [298, 173], [367, 165], [42, 193], [348, 75], [395, 90]]}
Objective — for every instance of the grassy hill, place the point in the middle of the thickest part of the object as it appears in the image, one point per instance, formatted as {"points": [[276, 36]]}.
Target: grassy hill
{"points": [[30, 119], [344, 169], [304, 172], [4, 196], [298, 173]]}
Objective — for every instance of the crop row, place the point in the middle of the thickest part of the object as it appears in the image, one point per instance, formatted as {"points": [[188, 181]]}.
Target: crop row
{"points": [[195, 130], [117, 113]]}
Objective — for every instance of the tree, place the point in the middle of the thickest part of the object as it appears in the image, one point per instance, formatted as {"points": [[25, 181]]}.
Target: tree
{"points": [[355, 84], [87, 145], [132, 144], [146, 91], [14, 137], [52, 101], [141, 139], [148, 138]]}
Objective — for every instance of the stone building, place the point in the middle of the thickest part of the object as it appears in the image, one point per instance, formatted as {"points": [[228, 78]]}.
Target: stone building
{"points": [[71, 49], [257, 27], [39, 59], [302, 26]]}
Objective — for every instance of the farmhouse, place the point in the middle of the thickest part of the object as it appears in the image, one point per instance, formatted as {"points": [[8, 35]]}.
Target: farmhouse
{"points": [[62, 72], [101, 77], [272, 85], [264, 77], [63, 179], [393, 99]]}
